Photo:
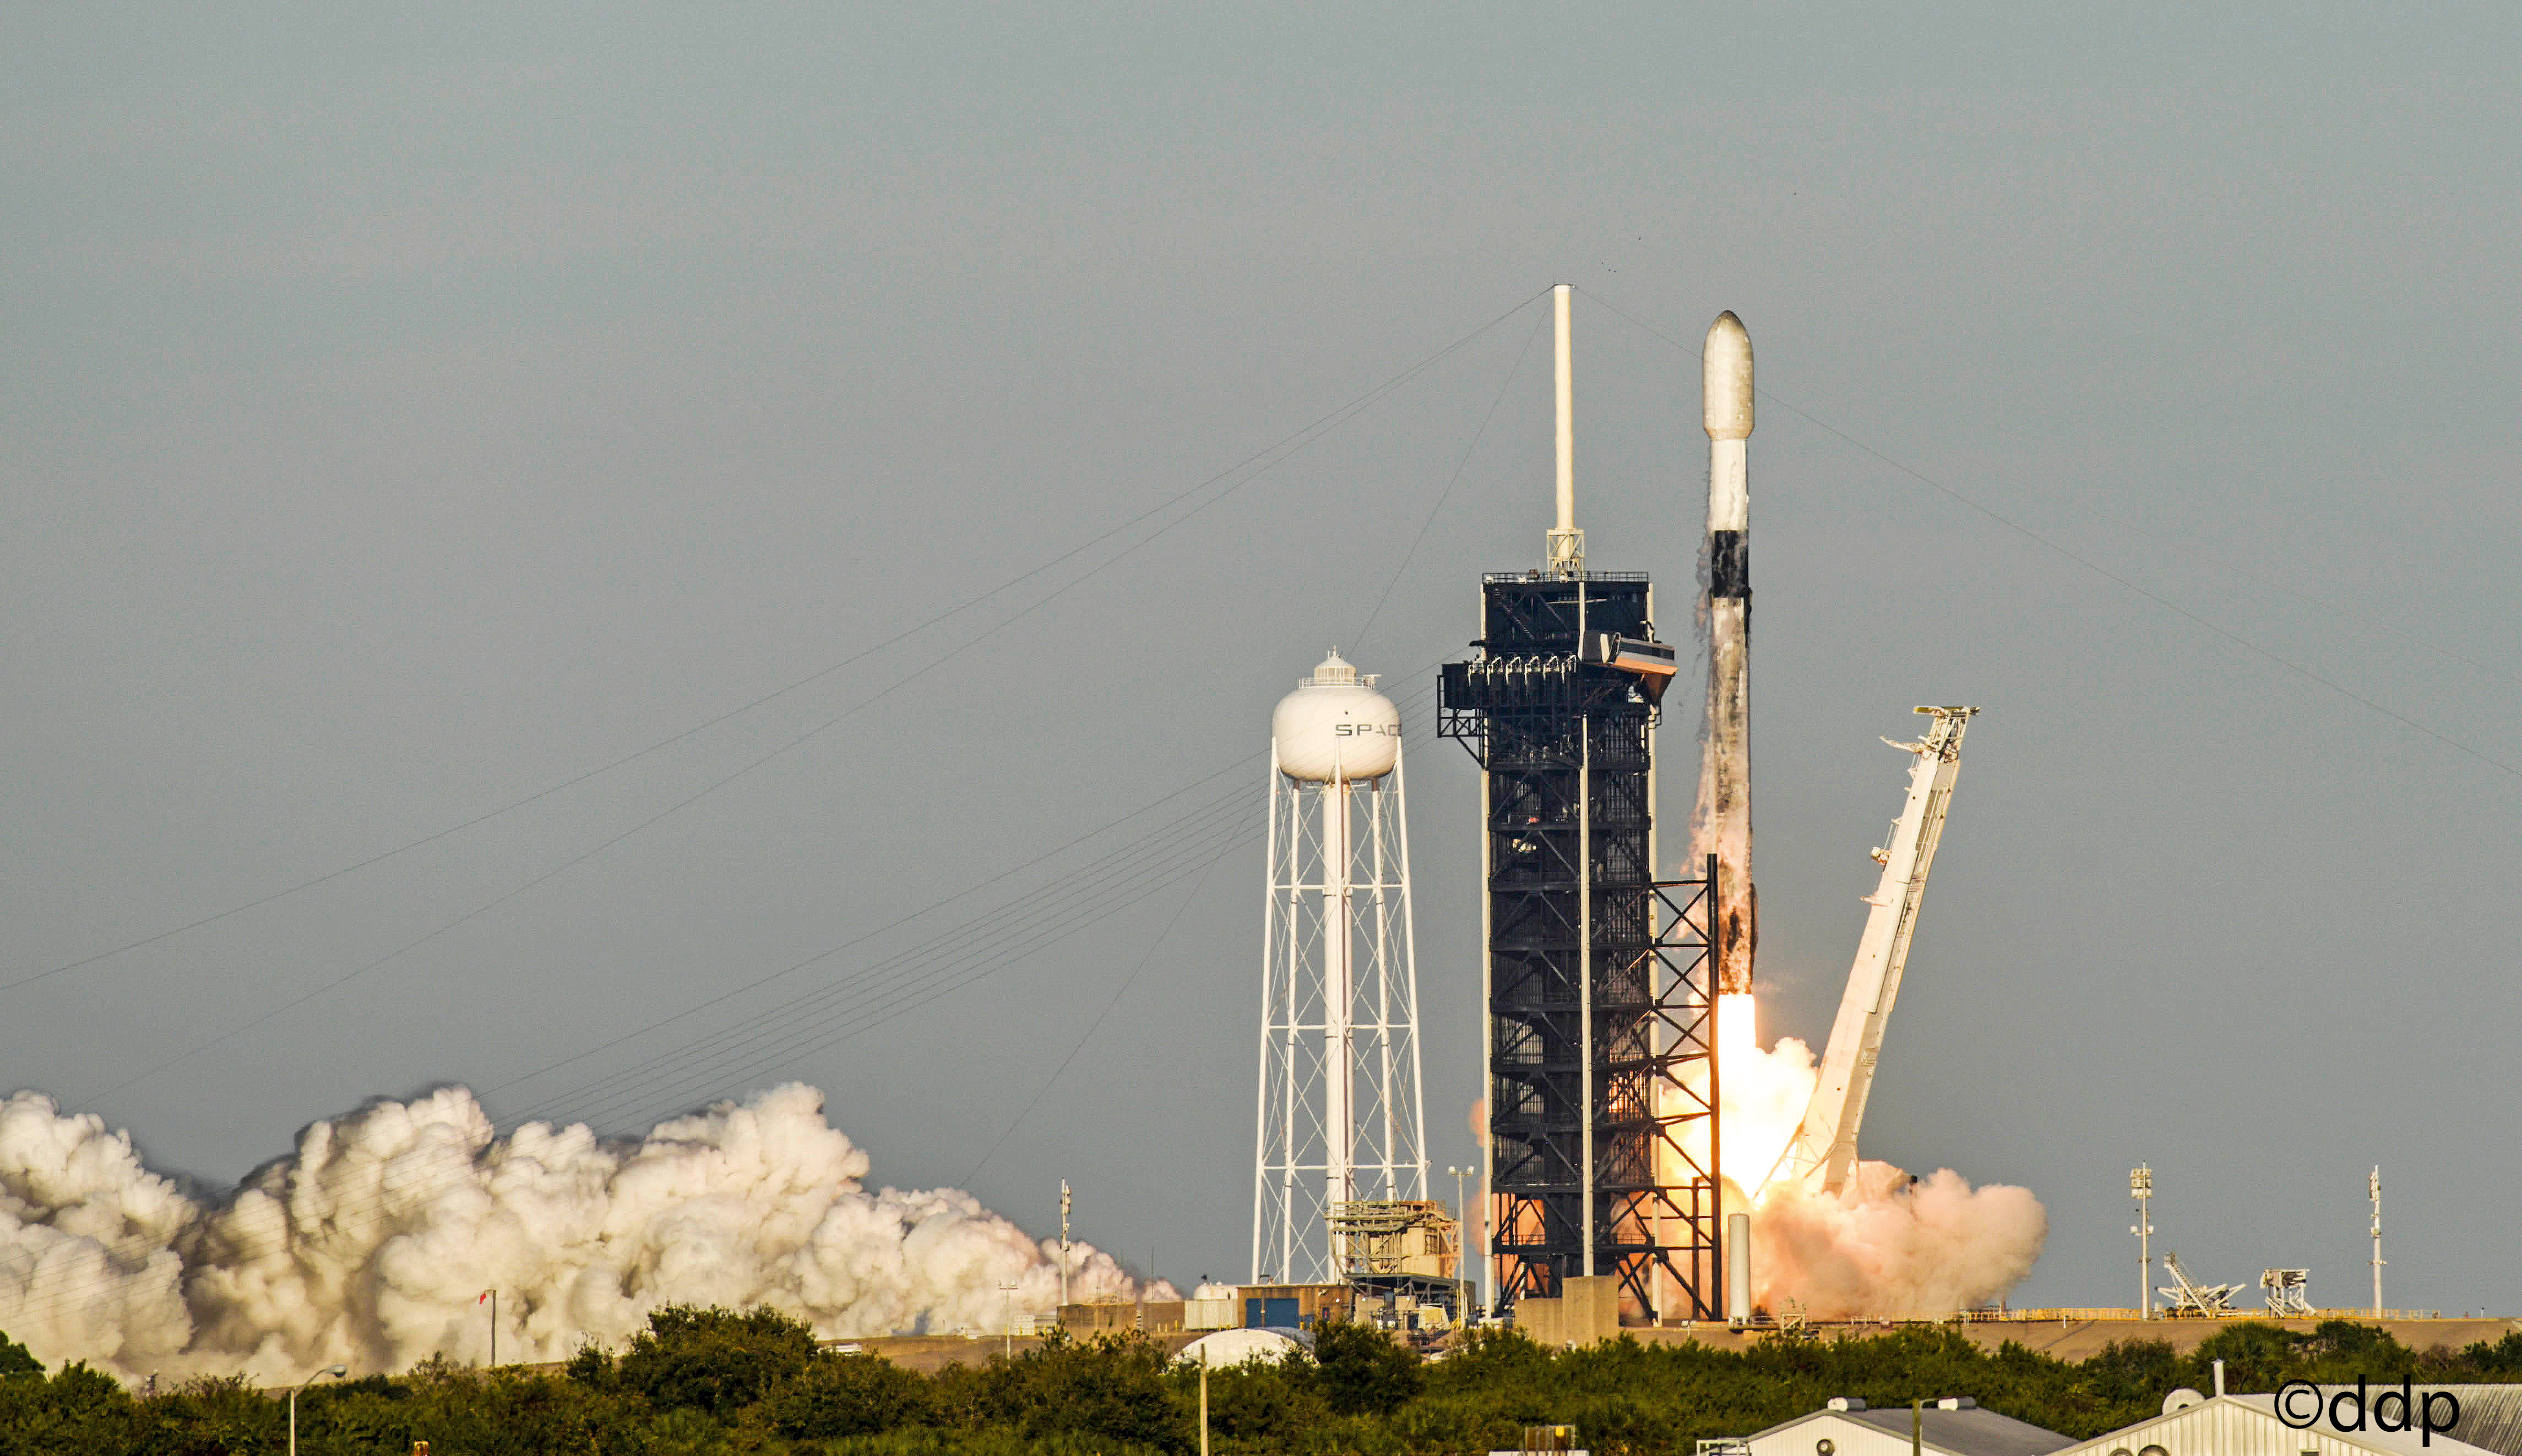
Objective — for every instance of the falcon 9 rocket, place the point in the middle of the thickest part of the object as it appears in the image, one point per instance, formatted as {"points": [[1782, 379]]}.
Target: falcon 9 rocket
{"points": [[1725, 771]]}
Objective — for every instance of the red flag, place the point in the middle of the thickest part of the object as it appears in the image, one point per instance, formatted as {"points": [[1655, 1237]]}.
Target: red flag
{"points": [[486, 1298]]}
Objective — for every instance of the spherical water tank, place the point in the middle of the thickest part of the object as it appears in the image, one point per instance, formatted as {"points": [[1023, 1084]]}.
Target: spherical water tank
{"points": [[1335, 725]]}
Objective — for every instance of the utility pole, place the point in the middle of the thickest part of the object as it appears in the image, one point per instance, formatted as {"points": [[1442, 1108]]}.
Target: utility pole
{"points": [[2373, 1186], [490, 1298], [2141, 1188], [1010, 1345], [1203, 1402], [1063, 1243]]}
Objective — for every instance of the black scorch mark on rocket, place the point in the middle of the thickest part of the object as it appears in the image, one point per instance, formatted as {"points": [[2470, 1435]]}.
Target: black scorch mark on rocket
{"points": [[1729, 563]]}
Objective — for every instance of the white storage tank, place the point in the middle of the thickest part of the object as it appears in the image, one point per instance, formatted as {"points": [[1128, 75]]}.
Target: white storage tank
{"points": [[1336, 726]]}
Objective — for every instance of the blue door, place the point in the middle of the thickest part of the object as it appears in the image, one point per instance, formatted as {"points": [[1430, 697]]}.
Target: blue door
{"points": [[1267, 1314]]}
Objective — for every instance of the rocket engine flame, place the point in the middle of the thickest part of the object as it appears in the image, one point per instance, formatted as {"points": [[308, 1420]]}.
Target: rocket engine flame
{"points": [[1765, 1093], [1887, 1246], [370, 1244]]}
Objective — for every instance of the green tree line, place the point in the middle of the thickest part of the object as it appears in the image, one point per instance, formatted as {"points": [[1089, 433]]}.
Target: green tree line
{"points": [[700, 1381]]}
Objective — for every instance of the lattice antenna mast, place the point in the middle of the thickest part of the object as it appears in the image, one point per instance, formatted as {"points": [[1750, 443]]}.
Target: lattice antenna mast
{"points": [[1341, 1116]]}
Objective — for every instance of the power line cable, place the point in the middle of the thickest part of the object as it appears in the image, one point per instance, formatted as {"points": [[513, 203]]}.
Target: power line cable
{"points": [[1326, 425], [377, 1203], [860, 938], [889, 1004], [1067, 907], [2196, 554], [2028, 533], [1101, 1017], [1513, 371], [884, 1011], [784, 1020], [1289, 443], [879, 1015]]}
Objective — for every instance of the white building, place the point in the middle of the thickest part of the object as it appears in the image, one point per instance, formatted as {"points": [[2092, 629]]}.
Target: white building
{"points": [[2328, 1421], [1955, 1427]]}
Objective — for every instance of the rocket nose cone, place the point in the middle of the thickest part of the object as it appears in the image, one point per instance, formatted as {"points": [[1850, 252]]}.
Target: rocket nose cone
{"points": [[1726, 378]]}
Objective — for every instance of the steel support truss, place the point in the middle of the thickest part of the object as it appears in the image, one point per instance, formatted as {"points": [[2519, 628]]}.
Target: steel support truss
{"points": [[1601, 1044]]}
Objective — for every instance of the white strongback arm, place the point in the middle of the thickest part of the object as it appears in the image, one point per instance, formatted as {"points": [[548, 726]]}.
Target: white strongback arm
{"points": [[1824, 1148]]}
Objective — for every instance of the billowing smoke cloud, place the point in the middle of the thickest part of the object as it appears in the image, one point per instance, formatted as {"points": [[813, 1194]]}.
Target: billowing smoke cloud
{"points": [[1883, 1246], [371, 1245]]}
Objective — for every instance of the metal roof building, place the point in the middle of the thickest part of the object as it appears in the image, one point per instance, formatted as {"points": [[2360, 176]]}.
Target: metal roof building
{"points": [[1948, 1428], [2326, 1421]]}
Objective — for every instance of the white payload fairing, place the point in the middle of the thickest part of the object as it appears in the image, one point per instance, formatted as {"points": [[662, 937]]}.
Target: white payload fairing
{"points": [[1725, 769]]}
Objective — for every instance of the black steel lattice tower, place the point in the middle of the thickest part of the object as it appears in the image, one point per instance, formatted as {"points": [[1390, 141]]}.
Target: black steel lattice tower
{"points": [[1600, 978]]}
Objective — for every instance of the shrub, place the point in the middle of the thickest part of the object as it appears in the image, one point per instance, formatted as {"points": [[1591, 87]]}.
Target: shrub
{"points": [[837, 1395], [714, 1360]]}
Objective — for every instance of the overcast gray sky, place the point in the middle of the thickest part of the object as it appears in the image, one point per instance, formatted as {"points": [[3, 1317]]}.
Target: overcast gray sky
{"points": [[407, 412]]}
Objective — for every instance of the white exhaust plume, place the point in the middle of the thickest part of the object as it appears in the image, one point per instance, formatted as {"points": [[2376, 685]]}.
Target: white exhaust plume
{"points": [[1883, 1245], [371, 1245], [1887, 1246]]}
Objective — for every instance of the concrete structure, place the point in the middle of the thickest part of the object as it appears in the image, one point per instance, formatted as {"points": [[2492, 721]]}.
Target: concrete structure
{"points": [[1164, 1317], [1225, 1313], [2079, 1335], [1951, 1427], [1296, 1306], [1585, 1311], [2329, 1420]]}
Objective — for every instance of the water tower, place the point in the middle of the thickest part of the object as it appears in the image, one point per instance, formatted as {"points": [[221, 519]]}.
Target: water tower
{"points": [[1341, 1116]]}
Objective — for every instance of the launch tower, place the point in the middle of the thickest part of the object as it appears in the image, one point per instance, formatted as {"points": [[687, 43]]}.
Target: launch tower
{"points": [[1599, 977]]}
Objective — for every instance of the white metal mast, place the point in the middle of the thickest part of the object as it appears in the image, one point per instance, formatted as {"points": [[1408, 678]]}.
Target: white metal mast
{"points": [[1340, 1109], [2373, 1186], [2141, 1188], [1822, 1151], [1564, 545]]}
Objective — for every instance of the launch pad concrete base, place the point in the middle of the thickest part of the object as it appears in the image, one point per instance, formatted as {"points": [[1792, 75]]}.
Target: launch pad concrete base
{"points": [[2083, 1339]]}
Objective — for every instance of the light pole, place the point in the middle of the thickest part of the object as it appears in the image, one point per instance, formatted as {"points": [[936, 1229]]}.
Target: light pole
{"points": [[490, 1296], [1462, 1243], [1010, 1345], [335, 1372], [2141, 1188], [2373, 1187]]}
